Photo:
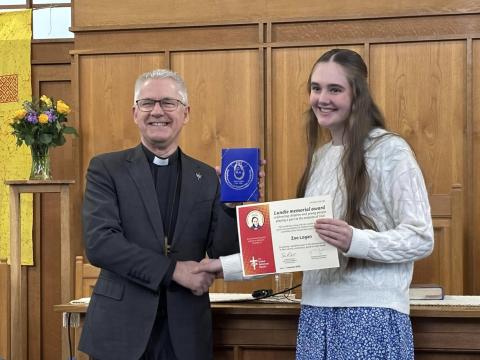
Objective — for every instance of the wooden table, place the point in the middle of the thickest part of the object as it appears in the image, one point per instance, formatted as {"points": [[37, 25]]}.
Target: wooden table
{"points": [[247, 331], [18, 301]]}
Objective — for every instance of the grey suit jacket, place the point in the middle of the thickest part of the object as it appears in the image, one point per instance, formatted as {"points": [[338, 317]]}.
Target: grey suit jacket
{"points": [[124, 237]]}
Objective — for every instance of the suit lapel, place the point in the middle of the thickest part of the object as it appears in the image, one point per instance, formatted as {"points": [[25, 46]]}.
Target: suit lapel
{"points": [[141, 174], [191, 185]]}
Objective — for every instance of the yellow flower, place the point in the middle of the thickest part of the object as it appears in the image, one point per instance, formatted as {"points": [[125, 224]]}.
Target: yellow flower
{"points": [[62, 108], [43, 118], [46, 100], [20, 114]]}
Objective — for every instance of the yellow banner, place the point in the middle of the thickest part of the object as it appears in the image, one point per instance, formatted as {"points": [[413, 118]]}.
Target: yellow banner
{"points": [[15, 88]]}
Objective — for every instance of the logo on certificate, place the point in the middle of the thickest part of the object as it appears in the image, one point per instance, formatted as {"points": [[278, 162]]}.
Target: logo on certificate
{"points": [[238, 174], [255, 220], [254, 263]]}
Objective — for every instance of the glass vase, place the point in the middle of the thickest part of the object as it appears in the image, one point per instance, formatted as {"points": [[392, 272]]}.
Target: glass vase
{"points": [[40, 163]]}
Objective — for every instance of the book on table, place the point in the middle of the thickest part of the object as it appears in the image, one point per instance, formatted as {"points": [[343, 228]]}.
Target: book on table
{"points": [[426, 292]]}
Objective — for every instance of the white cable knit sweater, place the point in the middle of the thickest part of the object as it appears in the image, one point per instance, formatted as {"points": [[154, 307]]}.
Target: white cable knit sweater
{"points": [[377, 269]]}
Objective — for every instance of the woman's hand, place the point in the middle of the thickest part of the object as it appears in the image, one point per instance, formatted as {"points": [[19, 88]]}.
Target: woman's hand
{"points": [[212, 266], [335, 232]]}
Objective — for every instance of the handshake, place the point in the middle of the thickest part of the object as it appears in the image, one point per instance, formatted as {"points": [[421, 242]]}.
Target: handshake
{"points": [[197, 276]]}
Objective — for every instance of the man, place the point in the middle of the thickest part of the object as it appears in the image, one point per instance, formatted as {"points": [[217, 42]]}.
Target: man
{"points": [[150, 214], [255, 223]]}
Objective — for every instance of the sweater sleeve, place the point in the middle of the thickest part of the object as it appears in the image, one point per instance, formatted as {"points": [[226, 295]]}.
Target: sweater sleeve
{"points": [[407, 233], [232, 267]]}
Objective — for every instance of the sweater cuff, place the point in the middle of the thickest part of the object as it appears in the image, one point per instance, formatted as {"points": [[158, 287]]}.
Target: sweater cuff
{"points": [[359, 245], [232, 267]]}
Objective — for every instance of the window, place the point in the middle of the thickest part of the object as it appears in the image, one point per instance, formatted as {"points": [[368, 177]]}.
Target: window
{"points": [[51, 18]]}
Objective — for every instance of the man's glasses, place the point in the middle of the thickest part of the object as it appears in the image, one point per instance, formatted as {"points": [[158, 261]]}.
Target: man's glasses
{"points": [[166, 104]]}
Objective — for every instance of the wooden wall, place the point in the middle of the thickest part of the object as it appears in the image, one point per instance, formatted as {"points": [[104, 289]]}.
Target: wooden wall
{"points": [[51, 75], [246, 65], [88, 13]]}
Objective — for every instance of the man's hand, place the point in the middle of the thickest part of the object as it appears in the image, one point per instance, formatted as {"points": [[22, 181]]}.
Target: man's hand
{"points": [[212, 266], [185, 275]]}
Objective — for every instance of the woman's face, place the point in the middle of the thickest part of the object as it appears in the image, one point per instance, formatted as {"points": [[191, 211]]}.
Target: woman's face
{"points": [[331, 98]]}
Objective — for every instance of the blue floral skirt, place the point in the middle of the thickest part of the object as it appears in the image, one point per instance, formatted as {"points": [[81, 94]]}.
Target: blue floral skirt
{"points": [[326, 333]]}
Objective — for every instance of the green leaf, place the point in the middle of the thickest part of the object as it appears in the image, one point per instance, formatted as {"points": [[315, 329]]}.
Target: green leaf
{"points": [[61, 140], [45, 138], [70, 130], [28, 139]]}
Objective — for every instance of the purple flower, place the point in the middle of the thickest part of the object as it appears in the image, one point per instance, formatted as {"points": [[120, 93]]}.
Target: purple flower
{"points": [[51, 115], [32, 118]]}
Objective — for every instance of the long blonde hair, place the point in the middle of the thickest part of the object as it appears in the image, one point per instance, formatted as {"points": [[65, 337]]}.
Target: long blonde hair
{"points": [[364, 117]]}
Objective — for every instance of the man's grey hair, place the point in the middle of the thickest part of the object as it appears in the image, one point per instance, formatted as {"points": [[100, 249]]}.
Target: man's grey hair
{"points": [[162, 74]]}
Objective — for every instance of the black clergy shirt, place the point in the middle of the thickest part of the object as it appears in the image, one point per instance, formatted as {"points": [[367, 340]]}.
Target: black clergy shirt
{"points": [[167, 180]]}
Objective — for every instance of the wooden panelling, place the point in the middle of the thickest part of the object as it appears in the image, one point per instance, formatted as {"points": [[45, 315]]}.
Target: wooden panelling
{"points": [[51, 52], [249, 97], [267, 353], [435, 355], [439, 332], [54, 80], [174, 38], [4, 310], [375, 30], [224, 97], [86, 276], [446, 265], [106, 99], [246, 65], [474, 159], [88, 13], [290, 68], [242, 287], [421, 89]]}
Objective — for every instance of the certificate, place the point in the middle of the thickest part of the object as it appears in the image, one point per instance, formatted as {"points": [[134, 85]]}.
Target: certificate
{"points": [[279, 236]]}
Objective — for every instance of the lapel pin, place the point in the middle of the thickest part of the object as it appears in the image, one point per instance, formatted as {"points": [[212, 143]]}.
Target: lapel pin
{"points": [[199, 176]]}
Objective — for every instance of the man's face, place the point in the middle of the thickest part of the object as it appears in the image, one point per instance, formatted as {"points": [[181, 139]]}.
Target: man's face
{"points": [[160, 129], [255, 221]]}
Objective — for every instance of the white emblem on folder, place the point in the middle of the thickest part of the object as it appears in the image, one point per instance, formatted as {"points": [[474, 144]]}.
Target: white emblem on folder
{"points": [[253, 262], [238, 174]]}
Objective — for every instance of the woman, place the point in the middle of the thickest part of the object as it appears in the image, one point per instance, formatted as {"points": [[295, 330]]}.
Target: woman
{"points": [[381, 224]]}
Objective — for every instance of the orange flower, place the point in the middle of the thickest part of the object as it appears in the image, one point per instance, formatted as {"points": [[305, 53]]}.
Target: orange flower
{"points": [[43, 118], [62, 108], [20, 114]]}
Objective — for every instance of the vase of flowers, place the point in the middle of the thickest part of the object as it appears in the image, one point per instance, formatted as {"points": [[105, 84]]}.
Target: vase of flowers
{"points": [[40, 169], [41, 124]]}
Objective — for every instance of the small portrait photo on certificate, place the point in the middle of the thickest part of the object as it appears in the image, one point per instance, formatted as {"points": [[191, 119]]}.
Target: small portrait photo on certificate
{"points": [[255, 220]]}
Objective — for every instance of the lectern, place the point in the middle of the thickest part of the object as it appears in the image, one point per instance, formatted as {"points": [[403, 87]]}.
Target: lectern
{"points": [[18, 301]]}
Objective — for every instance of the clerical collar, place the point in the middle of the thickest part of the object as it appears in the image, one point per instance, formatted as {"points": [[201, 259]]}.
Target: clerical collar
{"points": [[159, 161]]}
